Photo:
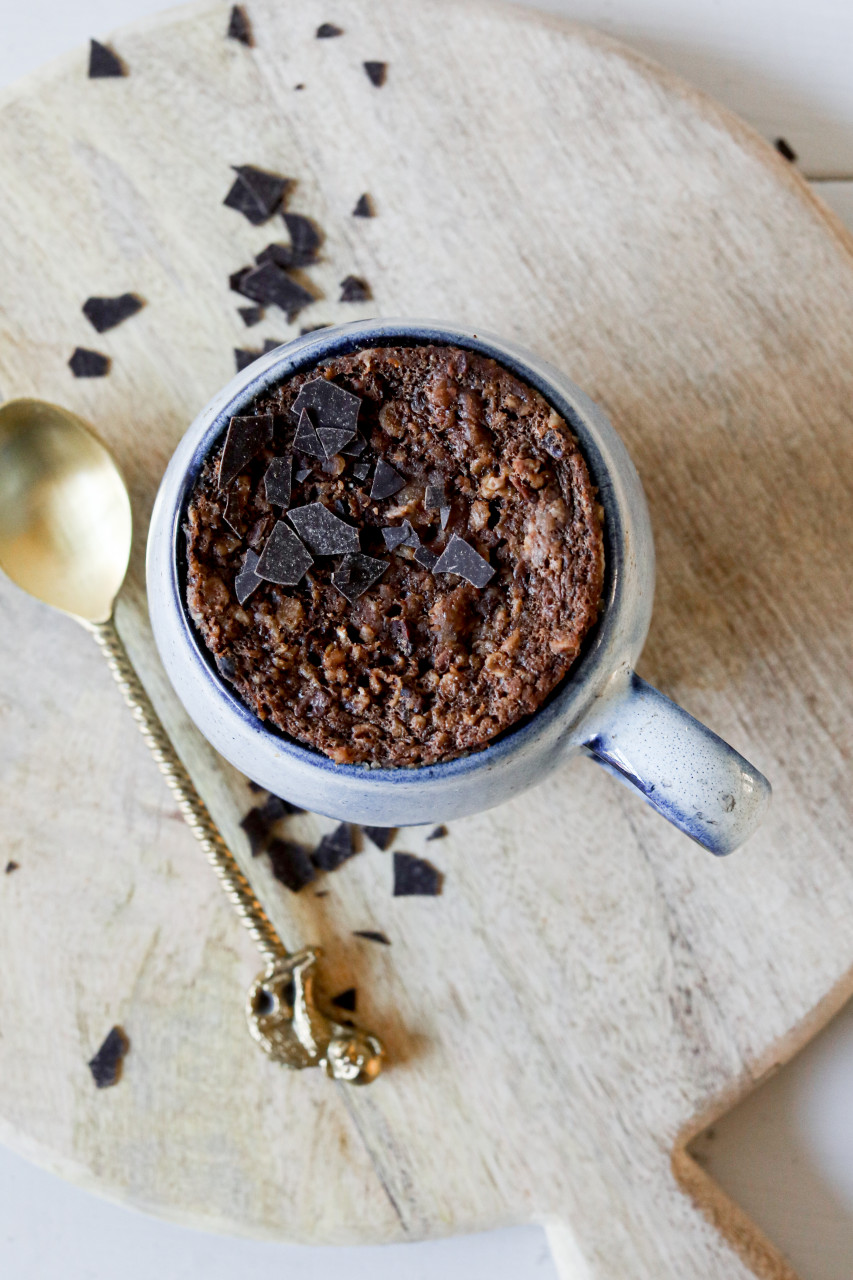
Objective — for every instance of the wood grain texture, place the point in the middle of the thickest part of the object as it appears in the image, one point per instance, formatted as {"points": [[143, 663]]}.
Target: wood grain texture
{"points": [[590, 988]]}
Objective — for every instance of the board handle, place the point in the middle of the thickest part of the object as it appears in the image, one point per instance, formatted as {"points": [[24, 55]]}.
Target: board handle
{"points": [[679, 766]]}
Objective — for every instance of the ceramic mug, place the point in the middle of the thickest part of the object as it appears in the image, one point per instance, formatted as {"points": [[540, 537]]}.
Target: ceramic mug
{"points": [[602, 708]]}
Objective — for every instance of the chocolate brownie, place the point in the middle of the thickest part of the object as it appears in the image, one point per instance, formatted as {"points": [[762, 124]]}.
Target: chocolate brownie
{"points": [[402, 558]]}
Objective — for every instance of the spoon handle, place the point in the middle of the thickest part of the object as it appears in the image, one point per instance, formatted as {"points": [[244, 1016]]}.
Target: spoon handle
{"points": [[190, 803]]}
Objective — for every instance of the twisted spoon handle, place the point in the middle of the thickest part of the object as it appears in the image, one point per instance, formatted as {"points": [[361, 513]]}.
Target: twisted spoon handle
{"points": [[190, 803]]}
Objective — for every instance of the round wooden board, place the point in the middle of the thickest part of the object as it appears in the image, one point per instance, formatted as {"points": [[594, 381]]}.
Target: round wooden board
{"points": [[590, 987]]}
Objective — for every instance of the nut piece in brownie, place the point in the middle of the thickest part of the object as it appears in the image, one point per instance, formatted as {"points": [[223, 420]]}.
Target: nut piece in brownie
{"points": [[403, 558]]}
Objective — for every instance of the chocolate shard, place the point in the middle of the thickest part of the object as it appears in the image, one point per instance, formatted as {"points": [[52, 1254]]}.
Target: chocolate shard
{"points": [[235, 280], [364, 207], [254, 786], [271, 344], [107, 1062], [438, 833], [415, 877], [302, 474], [377, 73], [85, 363], [346, 1000], [386, 482], [461, 558], [284, 559], [357, 448], [426, 558], [246, 437], [324, 532], [305, 239], [354, 289], [271, 285], [243, 357], [250, 315], [255, 193], [400, 535], [372, 935], [11, 866], [328, 30], [554, 444], [335, 848], [291, 864], [333, 439], [361, 470], [330, 405], [239, 27], [380, 836], [248, 580], [356, 574], [233, 515], [275, 807], [434, 496], [106, 313], [257, 830], [444, 516], [277, 481], [225, 666], [103, 62], [306, 439]]}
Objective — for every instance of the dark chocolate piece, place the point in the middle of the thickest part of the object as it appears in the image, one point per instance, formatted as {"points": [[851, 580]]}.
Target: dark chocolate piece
{"points": [[273, 808], [415, 877], [256, 194], [306, 439], [335, 848], [284, 559], [235, 280], [461, 558], [271, 344], [250, 315], [361, 470], [225, 666], [107, 1062], [239, 27], [428, 559], [444, 516], [376, 73], [353, 289], [257, 830], [372, 935], [302, 474], [434, 496], [554, 444], [346, 1000], [272, 286], [330, 405], [402, 636], [327, 30], [785, 149], [289, 806], [247, 580], [291, 864], [11, 866], [246, 437], [364, 207], [277, 481], [243, 357], [400, 535], [357, 448], [254, 786], [324, 532], [356, 574], [232, 514], [103, 62], [106, 313], [305, 239], [333, 439], [386, 482], [380, 836], [438, 833], [85, 363]]}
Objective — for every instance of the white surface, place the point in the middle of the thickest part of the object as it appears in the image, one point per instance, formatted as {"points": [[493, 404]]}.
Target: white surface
{"points": [[786, 1154]]}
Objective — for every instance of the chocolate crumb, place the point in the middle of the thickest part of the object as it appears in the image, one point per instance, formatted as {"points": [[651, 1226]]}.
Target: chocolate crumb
{"points": [[107, 1062], [380, 836], [239, 27], [85, 363], [785, 149], [357, 574], [372, 935], [354, 289], [225, 666], [400, 535], [554, 445], [284, 559], [106, 313], [291, 864], [346, 1000], [386, 482], [103, 62], [271, 285], [250, 315], [364, 207], [235, 280], [460, 557], [415, 877], [377, 73], [248, 580], [305, 239], [11, 866], [257, 830], [246, 437], [402, 634], [256, 194], [277, 481], [438, 833], [434, 496], [324, 532], [335, 848], [328, 30]]}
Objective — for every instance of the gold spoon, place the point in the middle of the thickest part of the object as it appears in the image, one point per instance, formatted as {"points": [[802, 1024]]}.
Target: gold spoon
{"points": [[65, 537]]}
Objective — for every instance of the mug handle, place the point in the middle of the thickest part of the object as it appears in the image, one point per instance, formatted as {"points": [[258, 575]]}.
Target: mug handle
{"points": [[695, 780]]}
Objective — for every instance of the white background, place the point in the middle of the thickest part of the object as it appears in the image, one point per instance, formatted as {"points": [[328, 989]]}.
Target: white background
{"points": [[787, 1153]]}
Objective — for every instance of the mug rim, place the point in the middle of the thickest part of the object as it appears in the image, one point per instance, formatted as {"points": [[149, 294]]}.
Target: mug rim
{"points": [[565, 703]]}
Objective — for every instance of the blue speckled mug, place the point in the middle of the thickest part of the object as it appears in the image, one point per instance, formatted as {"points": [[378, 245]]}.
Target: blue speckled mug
{"points": [[602, 708]]}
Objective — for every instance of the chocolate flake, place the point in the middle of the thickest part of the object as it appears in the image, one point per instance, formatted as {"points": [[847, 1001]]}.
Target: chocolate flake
{"points": [[415, 877], [354, 289], [356, 574], [444, 515], [346, 1000], [103, 62], [243, 357], [426, 558], [239, 27], [106, 313], [461, 558], [380, 836], [85, 363], [233, 513], [254, 786], [277, 481], [376, 73], [235, 280], [785, 149], [11, 866], [357, 447], [256, 194], [386, 482], [333, 439], [372, 935], [107, 1062], [257, 830], [364, 207], [248, 579], [324, 532], [306, 439], [400, 535], [291, 864], [434, 496], [335, 848], [225, 666], [246, 437], [554, 444], [281, 807], [305, 239], [361, 470], [250, 315], [438, 833], [272, 344], [330, 405], [327, 31], [302, 474], [284, 559], [271, 285]]}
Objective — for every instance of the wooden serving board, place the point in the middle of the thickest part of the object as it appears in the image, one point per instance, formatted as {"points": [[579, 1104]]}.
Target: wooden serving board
{"points": [[591, 988]]}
